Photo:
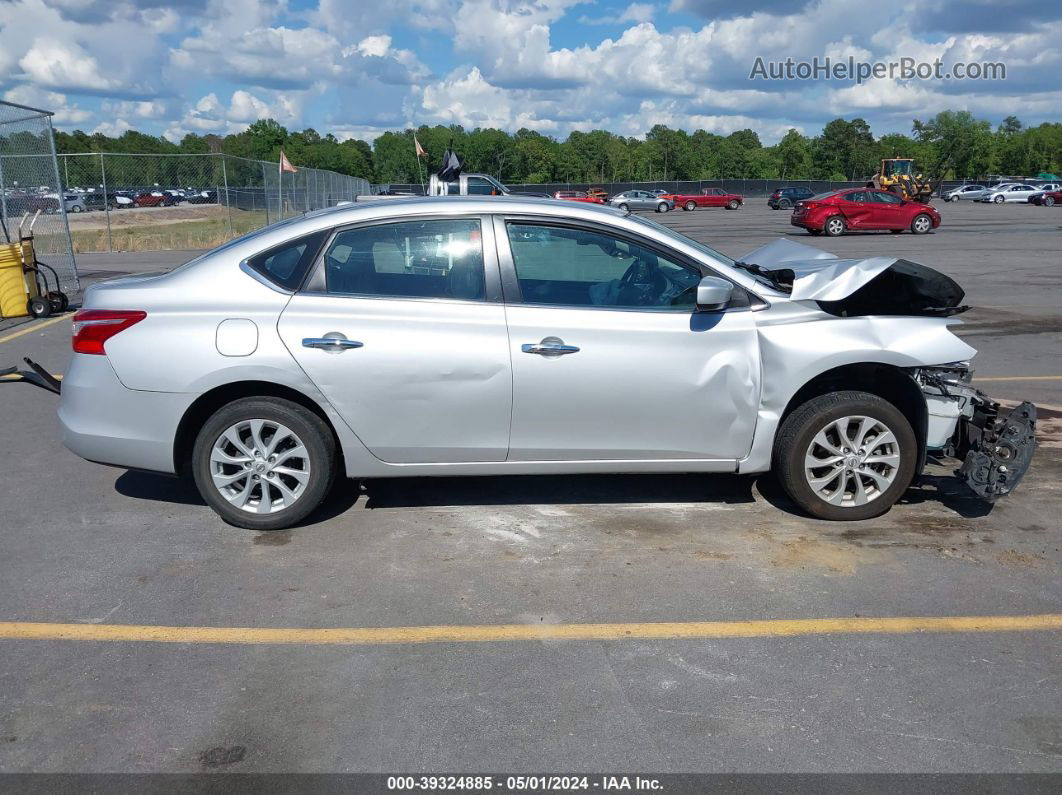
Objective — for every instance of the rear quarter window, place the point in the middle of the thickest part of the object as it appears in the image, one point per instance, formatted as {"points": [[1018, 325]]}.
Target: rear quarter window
{"points": [[286, 265]]}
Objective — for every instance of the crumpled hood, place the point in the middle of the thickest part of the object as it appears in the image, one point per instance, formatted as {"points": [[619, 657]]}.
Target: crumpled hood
{"points": [[818, 275], [873, 285]]}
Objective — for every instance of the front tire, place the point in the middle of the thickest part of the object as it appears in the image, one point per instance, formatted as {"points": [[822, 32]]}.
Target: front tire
{"points": [[663, 207], [846, 456], [733, 204], [1049, 201], [264, 463], [690, 206], [998, 199], [784, 204], [921, 224], [624, 208]]}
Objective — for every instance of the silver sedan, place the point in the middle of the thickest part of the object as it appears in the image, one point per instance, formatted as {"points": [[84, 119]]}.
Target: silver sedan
{"points": [[471, 336], [641, 200]]}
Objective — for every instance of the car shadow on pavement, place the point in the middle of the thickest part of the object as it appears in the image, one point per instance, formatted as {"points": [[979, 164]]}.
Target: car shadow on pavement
{"points": [[556, 490], [157, 488]]}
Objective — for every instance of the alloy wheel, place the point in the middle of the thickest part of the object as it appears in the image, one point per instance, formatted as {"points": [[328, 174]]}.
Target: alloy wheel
{"points": [[260, 466], [922, 224], [852, 461]]}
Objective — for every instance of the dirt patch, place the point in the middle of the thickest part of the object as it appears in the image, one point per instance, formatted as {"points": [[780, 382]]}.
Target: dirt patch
{"points": [[1019, 560], [707, 554], [805, 553]]}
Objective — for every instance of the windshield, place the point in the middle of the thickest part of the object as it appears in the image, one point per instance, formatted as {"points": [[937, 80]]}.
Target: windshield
{"points": [[681, 238]]}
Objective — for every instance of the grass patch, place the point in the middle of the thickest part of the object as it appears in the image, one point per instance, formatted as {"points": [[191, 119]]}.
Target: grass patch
{"points": [[199, 234]]}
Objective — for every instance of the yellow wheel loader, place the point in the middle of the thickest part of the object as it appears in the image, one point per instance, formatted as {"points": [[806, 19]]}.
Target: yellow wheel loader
{"points": [[897, 175]]}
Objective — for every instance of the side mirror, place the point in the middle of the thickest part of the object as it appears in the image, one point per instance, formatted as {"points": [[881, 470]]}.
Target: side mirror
{"points": [[713, 294]]}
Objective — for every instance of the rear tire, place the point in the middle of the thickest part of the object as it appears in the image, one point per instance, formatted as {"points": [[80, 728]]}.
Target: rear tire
{"points": [[868, 479], [834, 226], [784, 204], [304, 456]]}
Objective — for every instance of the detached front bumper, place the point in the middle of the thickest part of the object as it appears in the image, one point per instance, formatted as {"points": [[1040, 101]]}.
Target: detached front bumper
{"points": [[995, 446]]}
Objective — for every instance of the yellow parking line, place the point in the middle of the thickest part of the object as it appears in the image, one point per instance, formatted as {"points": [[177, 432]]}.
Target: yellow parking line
{"points": [[372, 636], [34, 326], [17, 377], [1018, 378]]}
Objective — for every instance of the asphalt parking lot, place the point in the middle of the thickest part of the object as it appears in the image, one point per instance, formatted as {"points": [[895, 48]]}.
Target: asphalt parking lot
{"points": [[808, 689]]}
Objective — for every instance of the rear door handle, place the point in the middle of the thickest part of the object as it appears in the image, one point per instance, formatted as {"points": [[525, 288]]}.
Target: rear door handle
{"points": [[336, 344], [550, 346]]}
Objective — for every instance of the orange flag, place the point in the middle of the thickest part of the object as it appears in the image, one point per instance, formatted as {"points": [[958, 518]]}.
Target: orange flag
{"points": [[285, 164]]}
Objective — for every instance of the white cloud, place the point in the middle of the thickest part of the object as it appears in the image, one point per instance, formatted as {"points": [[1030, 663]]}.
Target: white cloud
{"points": [[65, 112], [635, 12]]}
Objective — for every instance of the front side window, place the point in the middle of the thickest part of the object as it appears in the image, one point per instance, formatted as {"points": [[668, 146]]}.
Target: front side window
{"points": [[411, 259], [856, 196], [585, 268], [286, 264]]}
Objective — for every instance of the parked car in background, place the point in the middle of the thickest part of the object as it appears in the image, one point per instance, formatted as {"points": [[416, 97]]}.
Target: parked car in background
{"points": [[1013, 193], [641, 200], [1047, 199], [74, 203], [785, 198], [969, 192], [598, 193], [859, 209], [1046, 187], [155, 198], [577, 196], [568, 340], [94, 200], [709, 197], [176, 195], [204, 197]]}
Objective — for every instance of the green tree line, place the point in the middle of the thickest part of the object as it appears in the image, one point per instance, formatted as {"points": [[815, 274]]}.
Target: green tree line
{"points": [[952, 144]]}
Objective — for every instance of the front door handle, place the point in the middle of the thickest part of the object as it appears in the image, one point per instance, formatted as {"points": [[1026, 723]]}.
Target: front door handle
{"points": [[550, 346], [333, 342]]}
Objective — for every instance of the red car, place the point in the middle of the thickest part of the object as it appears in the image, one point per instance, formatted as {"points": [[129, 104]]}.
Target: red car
{"points": [[1049, 199], [577, 196], [858, 209], [709, 197], [155, 198]]}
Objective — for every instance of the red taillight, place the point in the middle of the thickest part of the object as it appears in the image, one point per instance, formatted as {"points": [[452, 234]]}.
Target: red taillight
{"points": [[93, 327]]}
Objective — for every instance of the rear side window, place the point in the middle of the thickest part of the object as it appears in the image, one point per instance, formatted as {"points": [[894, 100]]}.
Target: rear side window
{"points": [[286, 264], [412, 259]]}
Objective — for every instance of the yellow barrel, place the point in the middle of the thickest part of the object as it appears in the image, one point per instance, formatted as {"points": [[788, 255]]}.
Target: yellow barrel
{"points": [[13, 295]]}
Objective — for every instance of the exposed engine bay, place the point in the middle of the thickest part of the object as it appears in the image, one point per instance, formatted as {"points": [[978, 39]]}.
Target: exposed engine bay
{"points": [[995, 448]]}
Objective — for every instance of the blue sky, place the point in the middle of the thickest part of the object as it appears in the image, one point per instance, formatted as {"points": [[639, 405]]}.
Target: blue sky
{"points": [[358, 67]]}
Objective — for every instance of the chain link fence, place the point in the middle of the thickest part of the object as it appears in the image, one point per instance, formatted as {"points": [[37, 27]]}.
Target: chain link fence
{"points": [[144, 202], [31, 194], [749, 188]]}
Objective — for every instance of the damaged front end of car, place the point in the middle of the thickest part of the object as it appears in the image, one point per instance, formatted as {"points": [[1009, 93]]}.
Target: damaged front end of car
{"points": [[994, 445], [888, 298]]}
